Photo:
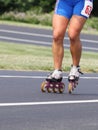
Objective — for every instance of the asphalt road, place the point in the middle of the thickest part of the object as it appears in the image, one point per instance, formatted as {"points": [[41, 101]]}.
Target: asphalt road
{"points": [[24, 107], [40, 36]]}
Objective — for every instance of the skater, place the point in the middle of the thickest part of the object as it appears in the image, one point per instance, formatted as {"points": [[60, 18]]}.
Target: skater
{"points": [[71, 14]]}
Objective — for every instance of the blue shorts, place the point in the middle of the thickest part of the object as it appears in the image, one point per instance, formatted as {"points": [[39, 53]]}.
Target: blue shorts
{"points": [[67, 8]]}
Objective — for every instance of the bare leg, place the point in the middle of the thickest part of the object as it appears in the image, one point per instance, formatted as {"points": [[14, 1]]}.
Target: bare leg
{"points": [[76, 25], [59, 28]]}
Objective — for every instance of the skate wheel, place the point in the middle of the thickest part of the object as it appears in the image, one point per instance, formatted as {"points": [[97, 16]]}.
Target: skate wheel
{"points": [[56, 88], [43, 86], [50, 88], [70, 88], [61, 89]]}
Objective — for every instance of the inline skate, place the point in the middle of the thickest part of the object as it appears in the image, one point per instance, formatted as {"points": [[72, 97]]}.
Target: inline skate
{"points": [[73, 78], [53, 83]]}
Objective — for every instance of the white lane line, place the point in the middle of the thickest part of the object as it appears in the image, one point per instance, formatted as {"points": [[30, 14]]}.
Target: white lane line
{"points": [[41, 77], [41, 35], [26, 33], [24, 40], [48, 103], [29, 34], [40, 42]]}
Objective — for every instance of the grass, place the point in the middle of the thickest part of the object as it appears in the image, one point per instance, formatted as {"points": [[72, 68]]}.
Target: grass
{"points": [[43, 19], [24, 57], [30, 17], [31, 57]]}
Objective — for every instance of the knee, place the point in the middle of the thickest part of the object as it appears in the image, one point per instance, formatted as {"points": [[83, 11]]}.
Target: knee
{"points": [[57, 36], [73, 35]]}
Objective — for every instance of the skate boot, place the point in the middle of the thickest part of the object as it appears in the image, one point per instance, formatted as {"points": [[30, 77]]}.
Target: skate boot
{"points": [[53, 82], [73, 78]]}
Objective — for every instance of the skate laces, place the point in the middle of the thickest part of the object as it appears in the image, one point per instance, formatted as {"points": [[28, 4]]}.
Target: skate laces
{"points": [[74, 73], [55, 75]]}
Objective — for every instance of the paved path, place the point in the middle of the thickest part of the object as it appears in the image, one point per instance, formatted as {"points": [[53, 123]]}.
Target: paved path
{"points": [[24, 107], [38, 36]]}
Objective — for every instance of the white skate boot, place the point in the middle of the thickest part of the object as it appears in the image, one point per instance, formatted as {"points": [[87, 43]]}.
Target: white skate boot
{"points": [[73, 78], [55, 76], [53, 82]]}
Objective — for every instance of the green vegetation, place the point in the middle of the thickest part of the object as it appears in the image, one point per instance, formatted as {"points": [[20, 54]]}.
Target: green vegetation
{"points": [[25, 5], [37, 18], [92, 24], [38, 12], [31, 57], [29, 17]]}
